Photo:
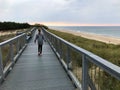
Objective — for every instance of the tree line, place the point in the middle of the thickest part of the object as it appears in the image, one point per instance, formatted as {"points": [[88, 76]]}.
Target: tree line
{"points": [[40, 25], [12, 26]]}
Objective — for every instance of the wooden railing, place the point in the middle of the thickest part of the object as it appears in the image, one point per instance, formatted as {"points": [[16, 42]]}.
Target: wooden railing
{"points": [[87, 70], [10, 50]]}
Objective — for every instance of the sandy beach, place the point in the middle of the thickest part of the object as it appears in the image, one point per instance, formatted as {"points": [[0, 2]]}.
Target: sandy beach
{"points": [[106, 39]]}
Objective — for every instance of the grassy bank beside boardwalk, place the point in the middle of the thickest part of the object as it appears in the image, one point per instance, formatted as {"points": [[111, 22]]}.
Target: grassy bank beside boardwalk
{"points": [[6, 37], [101, 79], [5, 49], [109, 52]]}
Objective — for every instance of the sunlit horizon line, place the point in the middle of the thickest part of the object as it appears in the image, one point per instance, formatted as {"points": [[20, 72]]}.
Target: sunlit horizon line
{"points": [[71, 24]]}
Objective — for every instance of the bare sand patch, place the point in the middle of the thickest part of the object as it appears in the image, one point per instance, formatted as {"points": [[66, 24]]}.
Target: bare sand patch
{"points": [[106, 39]]}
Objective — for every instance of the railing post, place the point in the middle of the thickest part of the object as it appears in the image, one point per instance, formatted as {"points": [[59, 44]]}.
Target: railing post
{"points": [[21, 42], [18, 45], [55, 44], [11, 52], [84, 73], [25, 41], [1, 65], [68, 58], [60, 43], [50, 38]]}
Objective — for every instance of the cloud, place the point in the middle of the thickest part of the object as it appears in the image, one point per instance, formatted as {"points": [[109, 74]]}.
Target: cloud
{"points": [[97, 11], [75, 11]]}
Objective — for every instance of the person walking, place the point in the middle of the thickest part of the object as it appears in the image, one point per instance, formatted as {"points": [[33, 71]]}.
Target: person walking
{"points": [[39, 37]]}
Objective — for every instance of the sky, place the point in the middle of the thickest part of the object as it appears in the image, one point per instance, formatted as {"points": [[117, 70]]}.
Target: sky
{"points": [[62, 12]]}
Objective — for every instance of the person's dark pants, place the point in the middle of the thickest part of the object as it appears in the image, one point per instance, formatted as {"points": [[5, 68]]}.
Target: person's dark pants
{"points": [[40, 48]]}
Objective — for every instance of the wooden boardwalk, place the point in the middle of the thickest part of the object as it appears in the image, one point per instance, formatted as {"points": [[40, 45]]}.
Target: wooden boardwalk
{"points": [[33, 72]]}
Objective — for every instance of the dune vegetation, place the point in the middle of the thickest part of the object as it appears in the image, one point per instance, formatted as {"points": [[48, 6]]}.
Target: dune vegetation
{"points": [[110, 52]]}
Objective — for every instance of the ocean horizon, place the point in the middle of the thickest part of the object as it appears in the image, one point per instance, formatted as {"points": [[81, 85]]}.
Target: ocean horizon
{"points": [[112, 31]]}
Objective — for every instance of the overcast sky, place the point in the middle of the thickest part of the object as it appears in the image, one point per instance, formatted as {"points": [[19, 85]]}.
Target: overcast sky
{"points": [[61, 11]]}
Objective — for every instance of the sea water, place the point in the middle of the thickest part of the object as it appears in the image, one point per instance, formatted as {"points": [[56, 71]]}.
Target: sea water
{"points": [[113, 31]]}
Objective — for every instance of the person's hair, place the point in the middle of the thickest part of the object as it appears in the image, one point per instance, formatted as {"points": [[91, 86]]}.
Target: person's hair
{"points": [[39, 30]]}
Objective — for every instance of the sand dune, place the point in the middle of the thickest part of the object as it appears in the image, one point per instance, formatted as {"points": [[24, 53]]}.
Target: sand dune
{"points": [[106, 39]]}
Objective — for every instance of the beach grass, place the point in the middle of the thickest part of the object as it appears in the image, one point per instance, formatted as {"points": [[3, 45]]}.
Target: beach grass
{"points": [[110, 52], [5, 35]]}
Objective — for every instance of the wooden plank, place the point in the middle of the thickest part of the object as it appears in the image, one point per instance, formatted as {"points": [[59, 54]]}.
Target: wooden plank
{"points": [[33, 72]]}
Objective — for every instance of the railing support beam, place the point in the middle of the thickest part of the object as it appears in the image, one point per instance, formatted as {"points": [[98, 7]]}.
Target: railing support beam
{"points": [[11, 53], [1, 66], [84, 73], [68, 58]]}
